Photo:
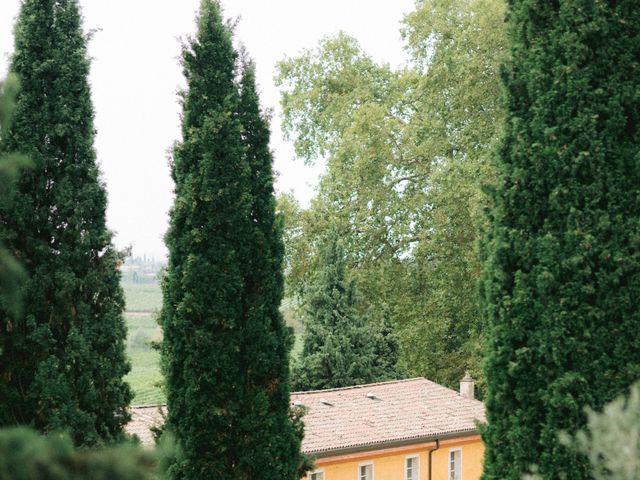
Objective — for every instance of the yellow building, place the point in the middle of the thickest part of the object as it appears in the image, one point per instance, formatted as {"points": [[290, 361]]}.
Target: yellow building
{"points": [[404, 430]]}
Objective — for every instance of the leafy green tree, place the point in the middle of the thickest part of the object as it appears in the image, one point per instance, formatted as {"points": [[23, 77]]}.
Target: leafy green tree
{"points": [[340, 348], [61, 364], [611, 439], [406, 163], [563, 263], [290, 212], [225, 347], [26, 455]]}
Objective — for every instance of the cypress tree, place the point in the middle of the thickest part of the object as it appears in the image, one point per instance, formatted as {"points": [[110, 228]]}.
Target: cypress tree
{"points": [[562, 272], [11, 273], [340, 347], [62, 363], [225, 347], [272, 448]]}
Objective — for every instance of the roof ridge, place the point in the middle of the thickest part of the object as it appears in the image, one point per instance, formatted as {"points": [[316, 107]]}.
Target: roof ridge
{"points": [[152, 405], [366, 385]]}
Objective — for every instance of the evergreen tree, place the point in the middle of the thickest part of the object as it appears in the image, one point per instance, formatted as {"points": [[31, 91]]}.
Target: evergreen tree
{"points": [[61, 364], [267, 340], [387, 348], [340, 347], [11, 273], [225, 347], [562, 273]]}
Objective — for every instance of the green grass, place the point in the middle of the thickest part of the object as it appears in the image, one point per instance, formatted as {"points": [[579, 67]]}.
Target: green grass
{"points": [[145, 376], [145, 297]]}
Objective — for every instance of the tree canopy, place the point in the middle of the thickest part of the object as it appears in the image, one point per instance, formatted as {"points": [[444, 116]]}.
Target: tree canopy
{"points": [[406, 154]]}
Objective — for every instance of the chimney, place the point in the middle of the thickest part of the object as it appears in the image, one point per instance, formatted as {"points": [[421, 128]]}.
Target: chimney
{"points": [[467, 387]]}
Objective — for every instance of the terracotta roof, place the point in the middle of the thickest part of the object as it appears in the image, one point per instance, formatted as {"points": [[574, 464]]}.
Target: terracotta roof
{"points": [[143, 419], [366, 416], [379, 414]]}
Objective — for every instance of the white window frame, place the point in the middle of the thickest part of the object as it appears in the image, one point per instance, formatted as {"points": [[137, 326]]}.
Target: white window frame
{"points": [[415, 467], [315, 472], [452, 451], [366, 464]]}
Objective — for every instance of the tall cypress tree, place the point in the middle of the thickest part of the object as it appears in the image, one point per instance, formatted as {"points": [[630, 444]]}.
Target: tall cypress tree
{"points": [[340, 348], [62, 363], [563, 258], [225, 347], [272, 446]]}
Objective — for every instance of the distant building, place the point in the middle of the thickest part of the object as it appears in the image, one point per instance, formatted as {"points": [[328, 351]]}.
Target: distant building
{"points": [[403, 430]]}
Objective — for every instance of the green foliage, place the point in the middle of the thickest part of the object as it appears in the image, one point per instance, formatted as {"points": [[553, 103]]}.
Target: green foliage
{"points": [[406, 161], [225, 346], [563, 258], [339, 347], [61, 364], [11, 273], [306, 463], [612, 441], [25, 455]]}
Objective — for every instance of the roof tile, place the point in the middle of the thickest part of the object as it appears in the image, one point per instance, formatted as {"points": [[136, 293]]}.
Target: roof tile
{"points": [[400, 410]]}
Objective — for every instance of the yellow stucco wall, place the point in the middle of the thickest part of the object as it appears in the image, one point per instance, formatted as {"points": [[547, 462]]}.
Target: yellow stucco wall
{"points": [[389, 464]]}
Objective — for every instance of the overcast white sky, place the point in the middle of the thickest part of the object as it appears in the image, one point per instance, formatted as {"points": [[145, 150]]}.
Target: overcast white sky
{"points": [[135, 75]]}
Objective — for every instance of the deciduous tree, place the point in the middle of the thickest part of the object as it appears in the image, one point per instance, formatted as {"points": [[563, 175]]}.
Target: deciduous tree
{"points": [[406, 163]]}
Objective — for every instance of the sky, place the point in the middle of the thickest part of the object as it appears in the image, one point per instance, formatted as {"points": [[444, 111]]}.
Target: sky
{"points": [[135, 76]]}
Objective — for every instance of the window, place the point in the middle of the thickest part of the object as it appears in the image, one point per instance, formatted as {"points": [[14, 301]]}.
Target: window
{"points": [[412, 468], [455, 464], [365, 472], [317, 475]]}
